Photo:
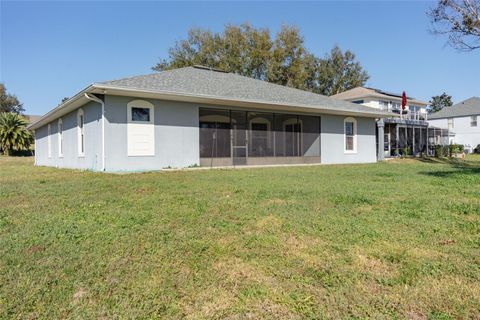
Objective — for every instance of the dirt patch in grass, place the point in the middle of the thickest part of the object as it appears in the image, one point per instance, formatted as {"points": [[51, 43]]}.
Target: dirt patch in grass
{"points": [[269, 223]]}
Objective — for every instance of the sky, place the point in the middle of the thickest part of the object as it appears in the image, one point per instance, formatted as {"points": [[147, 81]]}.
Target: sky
{"points": [[52, 50]]}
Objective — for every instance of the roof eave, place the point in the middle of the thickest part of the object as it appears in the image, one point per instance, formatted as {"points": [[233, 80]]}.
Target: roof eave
{"points": [[215, 100], [79, 99], [71, 104]]}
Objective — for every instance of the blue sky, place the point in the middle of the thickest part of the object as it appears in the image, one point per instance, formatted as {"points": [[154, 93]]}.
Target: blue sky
{"points": [[50, 50]]}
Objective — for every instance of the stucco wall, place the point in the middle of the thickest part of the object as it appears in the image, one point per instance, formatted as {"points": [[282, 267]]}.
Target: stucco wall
{"points": [[464, 133], [92, 132], [176, 136], [332, 140]]}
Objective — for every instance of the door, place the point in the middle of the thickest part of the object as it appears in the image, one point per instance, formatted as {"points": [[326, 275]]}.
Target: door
{"points": [[386, 144], [239, 138], [292, 139]]}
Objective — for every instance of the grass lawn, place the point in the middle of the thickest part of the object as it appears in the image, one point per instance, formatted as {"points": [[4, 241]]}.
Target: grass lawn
{"points": [[399, 239]]}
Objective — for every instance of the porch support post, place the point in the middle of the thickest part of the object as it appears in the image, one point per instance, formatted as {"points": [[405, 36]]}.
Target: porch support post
{"points": [[381, 142], [426, 141], [413, 140], [397, 135]]}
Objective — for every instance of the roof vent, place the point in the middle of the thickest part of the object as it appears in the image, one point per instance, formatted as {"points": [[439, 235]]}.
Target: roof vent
{"points": [[197, 66]]}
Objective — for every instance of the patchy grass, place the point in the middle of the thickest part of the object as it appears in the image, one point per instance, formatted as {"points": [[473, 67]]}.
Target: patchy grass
{"points": [[399, 239]]}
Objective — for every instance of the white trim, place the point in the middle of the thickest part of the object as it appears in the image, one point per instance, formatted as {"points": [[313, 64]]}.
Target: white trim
{"points": [[354, 121], [49, 140], [60, 137], [140, 134], [81, 133]]}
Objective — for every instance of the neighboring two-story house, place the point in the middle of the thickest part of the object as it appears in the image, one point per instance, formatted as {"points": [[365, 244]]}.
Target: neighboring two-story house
{"points": [[463, 119], [407, 133]]}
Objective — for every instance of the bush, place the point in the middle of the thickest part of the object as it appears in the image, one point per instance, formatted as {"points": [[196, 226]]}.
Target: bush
{"points": [[441, 151], [477, 149], [455, 148], [448, 150]]}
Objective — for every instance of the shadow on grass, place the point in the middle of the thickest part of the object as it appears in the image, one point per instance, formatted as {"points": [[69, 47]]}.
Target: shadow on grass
{"points": [[461, 167]]}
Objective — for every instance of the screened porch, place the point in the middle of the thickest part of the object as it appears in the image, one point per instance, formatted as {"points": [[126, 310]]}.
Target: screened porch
{"points": [[231, 137]]}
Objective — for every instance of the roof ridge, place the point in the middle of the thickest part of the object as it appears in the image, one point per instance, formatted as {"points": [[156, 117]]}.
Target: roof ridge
{"points": [[143, 75]]}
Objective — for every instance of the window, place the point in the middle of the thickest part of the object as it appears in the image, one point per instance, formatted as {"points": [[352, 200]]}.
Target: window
{"points": [[80, 133], [358, 101], [140, 114], [383, 104], [450, 123], [140, 128], [350, 135], [49, 140], [60, 138], [473, 121]]}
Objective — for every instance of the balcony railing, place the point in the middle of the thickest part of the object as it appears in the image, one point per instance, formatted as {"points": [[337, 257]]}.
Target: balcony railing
{"points": [[410, 115]]}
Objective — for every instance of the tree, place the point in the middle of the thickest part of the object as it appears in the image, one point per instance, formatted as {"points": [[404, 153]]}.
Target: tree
{"points": [[63, 100], [9, 102], [290, 63], [252, 52], [439, 102], [339, 72], [460, 21], [13, 133]]}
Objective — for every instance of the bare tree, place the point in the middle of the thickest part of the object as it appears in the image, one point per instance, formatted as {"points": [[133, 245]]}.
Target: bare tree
{"points": [[460, 21]]}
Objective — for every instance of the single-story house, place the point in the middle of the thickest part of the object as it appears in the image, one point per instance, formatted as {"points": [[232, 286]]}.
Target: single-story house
{"points": [[462, 119], [197, 116]]}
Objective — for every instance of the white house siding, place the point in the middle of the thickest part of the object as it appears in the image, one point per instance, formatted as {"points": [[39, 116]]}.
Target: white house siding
{"points": [[464, 133], [176, 136], [332, 140], [71, 159]]}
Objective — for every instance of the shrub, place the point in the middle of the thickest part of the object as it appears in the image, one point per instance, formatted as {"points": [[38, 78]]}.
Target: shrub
{"points": [[477, 149], [441, 151], [455, 148], [13, 133]]}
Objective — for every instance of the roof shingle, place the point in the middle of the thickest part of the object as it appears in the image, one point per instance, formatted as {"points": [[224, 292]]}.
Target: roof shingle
{"points": [[206, 82], [468, 107]]}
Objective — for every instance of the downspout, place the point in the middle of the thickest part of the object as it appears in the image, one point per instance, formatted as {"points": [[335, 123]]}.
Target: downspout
{"points": [[96, 99]]}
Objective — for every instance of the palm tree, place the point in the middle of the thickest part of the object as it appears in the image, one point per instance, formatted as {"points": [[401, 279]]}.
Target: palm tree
{"points": [[13, 133]]}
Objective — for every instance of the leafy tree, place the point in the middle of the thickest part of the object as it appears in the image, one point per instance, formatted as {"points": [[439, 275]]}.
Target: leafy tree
{"points": [[290, 63], [9, 102], [339, 72], [63, 100], [283, 59], [460, 21], [439, 102], [13, 133]]}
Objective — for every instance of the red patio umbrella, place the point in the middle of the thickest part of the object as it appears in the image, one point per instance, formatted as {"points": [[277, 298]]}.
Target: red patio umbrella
{"points": [[404, 100]]}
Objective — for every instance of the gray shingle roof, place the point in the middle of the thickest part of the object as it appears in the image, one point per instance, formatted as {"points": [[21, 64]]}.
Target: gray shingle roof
{"points": [[468, 107], [206, 82]]}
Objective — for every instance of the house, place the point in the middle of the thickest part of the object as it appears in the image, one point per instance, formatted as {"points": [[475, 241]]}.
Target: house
{"points": [[408, 132], [196, 116], [461, 118], [31, 118]]}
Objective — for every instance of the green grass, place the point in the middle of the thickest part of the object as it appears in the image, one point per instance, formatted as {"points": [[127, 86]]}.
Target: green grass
{"points": [[399, 239]]}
